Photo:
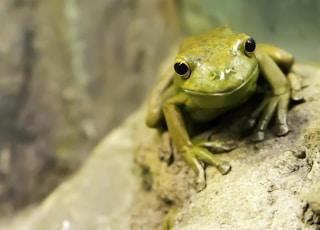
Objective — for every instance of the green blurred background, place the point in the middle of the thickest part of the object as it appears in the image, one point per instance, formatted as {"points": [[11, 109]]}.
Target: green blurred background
{"points": [[293, 25]]}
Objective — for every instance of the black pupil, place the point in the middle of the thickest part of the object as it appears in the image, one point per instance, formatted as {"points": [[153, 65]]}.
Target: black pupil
{"points": [[181, 68], [250, 45]]}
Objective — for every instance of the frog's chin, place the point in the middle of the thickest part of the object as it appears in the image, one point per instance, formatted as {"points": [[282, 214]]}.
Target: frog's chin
{"points": [[225, 92], [230, 98]]}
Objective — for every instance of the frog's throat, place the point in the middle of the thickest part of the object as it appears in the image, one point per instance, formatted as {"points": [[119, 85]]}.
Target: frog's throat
{"points": [[253, 74]]}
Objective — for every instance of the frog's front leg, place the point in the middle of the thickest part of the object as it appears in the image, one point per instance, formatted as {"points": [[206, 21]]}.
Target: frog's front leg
{"points": [[285, 61], [159, 94], [191, 153], [275, 103]]}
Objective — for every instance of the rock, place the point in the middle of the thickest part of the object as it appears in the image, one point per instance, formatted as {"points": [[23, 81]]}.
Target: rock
{"points": [[99, 195], [265, 188], [311, 190], [269, 187]]}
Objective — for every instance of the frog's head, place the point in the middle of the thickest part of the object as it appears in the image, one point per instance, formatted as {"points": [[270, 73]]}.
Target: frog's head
{"points": [[217, 64]]}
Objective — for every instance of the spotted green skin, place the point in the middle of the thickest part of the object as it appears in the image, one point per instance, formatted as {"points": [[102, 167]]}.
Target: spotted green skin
{"points": [[222, 76]]}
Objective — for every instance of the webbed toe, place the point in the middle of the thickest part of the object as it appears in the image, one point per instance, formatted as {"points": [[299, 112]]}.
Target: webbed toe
{"points": [[224, 167], [282, 129], [257, 136]]}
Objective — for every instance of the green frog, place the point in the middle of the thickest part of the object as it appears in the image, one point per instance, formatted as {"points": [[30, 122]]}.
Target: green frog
{"points": [[213, 73]]}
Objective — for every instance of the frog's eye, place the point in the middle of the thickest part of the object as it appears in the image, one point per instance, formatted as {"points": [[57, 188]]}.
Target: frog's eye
{"points": [[249, 46], [181, 67]]}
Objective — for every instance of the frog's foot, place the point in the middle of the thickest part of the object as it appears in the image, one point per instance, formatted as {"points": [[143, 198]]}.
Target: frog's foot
{"points": [[252, 121], [203, 154], [196, 165], [200, 183], [297, 96], [166, 148], [295, 86], [257, 136], [278, 105], [217, 146], [282, 129], [195, 154], [168, 220]]}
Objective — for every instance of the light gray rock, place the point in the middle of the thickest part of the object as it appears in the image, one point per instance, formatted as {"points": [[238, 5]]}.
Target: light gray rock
{"points": [[311, 190], [99, 196], [271, 185]]}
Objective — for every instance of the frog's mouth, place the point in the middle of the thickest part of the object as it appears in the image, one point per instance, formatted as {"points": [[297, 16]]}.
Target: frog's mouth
{"points": [[227, 91]]}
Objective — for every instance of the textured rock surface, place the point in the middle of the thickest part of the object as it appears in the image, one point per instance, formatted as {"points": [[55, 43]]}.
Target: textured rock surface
{"points": [[311, 190], [269, 187]]}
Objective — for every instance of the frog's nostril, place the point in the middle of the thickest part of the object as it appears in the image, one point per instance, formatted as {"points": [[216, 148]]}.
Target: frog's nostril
{"points": [[213, 74], [230, 71]]}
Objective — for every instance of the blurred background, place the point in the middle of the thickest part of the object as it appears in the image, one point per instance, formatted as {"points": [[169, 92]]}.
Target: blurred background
{"points": [[72, 70]]}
